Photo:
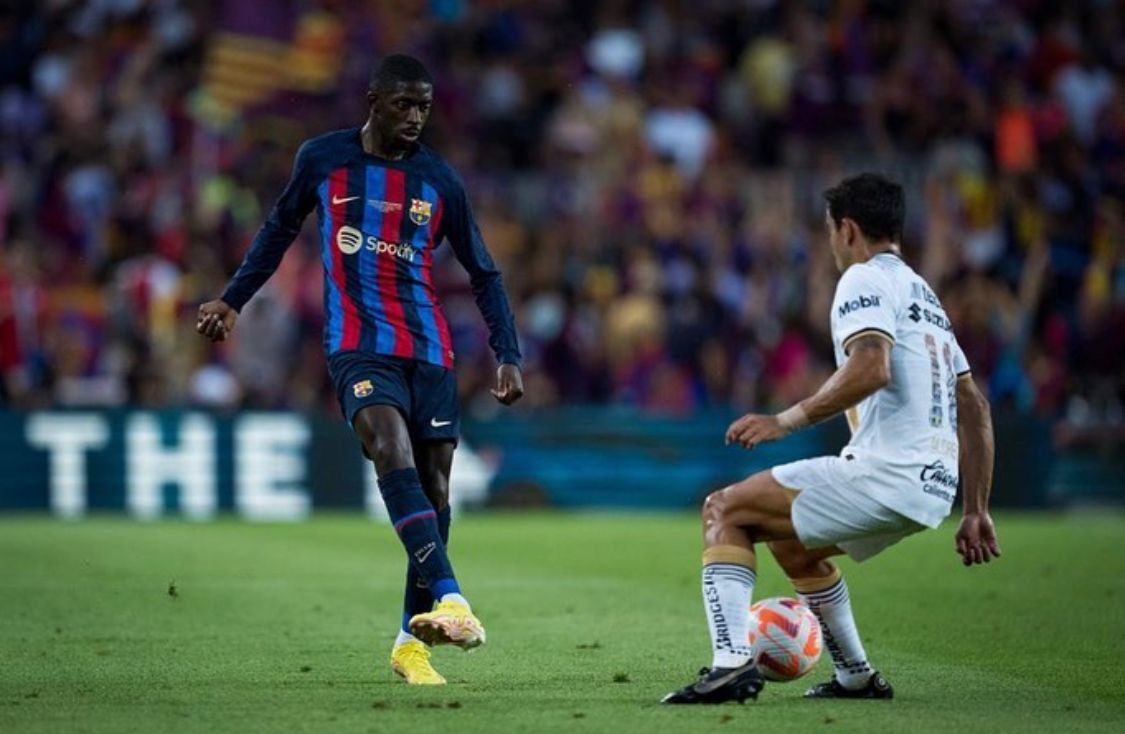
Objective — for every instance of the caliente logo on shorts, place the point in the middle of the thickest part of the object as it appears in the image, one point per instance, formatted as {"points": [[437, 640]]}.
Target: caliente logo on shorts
{"points": [[939, 480], [350, 240]]}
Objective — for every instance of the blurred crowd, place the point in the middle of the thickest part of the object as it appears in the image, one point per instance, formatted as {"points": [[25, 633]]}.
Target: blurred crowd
{"points": [[647, 174]]}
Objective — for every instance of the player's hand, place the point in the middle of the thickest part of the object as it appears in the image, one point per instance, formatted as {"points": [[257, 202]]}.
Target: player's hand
{"points": [[216, 320], [976, 539], [751, 430], [509, 384]]}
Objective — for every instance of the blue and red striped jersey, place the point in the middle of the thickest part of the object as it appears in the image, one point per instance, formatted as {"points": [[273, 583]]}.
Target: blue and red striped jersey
{"points": [[380, 221]]}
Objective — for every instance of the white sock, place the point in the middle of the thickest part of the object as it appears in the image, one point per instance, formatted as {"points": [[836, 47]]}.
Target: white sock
{"points": [[726, 600], [456, 598], [833, 608], [404, 637]]}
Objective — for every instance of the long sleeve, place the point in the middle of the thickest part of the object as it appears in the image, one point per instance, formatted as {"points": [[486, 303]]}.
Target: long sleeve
{"points": [[276, 234], [488, 288]]}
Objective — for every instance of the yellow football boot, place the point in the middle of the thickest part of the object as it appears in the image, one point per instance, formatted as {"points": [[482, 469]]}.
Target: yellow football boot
{"points": [[411, 661], [450, 623]]}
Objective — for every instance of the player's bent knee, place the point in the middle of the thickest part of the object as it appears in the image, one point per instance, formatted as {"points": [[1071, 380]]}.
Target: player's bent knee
{"points": [[389, 456], [714, 507], [721, 514], [385, 440], [389, 450]]}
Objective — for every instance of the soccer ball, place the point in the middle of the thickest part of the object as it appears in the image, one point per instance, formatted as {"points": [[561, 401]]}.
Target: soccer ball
{"points": [[785, 637]]}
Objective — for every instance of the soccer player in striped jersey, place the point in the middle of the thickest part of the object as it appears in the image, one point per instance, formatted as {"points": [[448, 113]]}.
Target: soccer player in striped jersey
{"points": [[384, 203], [920, 429]]}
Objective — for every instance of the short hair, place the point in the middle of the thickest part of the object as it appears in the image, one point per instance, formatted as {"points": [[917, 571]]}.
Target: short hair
{"points": [[875, 203], [398, 68]]}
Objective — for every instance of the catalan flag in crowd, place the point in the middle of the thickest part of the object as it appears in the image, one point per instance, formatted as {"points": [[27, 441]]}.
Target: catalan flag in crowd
{"points": [[264, 48]]}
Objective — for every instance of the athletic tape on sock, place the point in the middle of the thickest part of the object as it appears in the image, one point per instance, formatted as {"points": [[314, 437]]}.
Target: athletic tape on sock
{"points": [[733, 554]]}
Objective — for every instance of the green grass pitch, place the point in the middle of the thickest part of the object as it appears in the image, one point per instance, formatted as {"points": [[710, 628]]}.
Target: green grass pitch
{"points": [[591, 618]]}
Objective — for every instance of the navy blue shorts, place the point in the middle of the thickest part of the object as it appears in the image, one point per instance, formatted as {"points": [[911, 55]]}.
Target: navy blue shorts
{"points": [[425, 394]]}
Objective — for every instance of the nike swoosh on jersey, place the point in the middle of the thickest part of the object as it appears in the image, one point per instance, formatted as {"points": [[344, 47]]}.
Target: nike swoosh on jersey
{"points": [[343, 199], [439, 424]]}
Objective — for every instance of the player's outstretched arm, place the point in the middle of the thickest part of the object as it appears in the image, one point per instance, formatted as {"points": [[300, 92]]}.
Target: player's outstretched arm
{"points": [[216, 320], [867, 369], [976, 537]]}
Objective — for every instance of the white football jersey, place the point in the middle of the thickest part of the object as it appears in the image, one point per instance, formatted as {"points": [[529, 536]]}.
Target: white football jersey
{"points": [[904, 436]]}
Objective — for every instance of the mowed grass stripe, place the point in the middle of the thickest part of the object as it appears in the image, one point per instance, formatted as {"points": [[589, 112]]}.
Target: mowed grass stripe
{"points": [[288, 627]]}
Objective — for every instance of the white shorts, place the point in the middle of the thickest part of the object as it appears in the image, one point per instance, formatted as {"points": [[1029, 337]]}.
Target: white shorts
{"points": [[832, 509]]}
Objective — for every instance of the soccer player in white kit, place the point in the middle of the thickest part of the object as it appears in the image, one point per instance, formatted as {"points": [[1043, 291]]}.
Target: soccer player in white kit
{"points": [[920, 427]]}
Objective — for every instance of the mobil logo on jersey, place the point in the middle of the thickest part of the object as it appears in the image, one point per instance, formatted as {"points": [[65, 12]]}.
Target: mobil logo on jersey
{"points": [[351, 240], [858, 303]]}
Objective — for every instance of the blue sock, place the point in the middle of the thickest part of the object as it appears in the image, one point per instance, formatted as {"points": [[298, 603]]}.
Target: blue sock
{"points": [[415, 522], [418, 599]]}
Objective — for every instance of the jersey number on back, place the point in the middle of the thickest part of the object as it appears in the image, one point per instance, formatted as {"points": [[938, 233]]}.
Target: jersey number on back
{"points": [[943, 383]]}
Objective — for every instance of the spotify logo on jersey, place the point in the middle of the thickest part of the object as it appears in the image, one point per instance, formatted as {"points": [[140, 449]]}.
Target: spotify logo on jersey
{"points": [[349, 240]]}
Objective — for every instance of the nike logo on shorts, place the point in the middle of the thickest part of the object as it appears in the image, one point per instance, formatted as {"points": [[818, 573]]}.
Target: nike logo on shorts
{"points": [[439, 424]]}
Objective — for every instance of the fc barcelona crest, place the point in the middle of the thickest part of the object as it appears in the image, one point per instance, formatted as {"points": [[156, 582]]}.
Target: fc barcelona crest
{"points": [[420, 211], [363, 388]]}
